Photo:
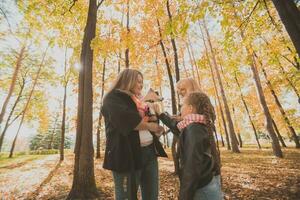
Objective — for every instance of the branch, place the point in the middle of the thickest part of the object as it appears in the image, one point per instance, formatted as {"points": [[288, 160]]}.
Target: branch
{"points": [[73, 4], [6, 18], [99, 4], [270, 16], [248, 17]]}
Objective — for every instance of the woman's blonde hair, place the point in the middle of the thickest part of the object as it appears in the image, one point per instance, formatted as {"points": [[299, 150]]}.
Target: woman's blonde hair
{"points": [[191, 82], [126, 81]]}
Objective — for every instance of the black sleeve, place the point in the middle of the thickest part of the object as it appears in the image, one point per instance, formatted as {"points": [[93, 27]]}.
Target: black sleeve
{"points": [[169, 122], [119, 114], [193, 154]]}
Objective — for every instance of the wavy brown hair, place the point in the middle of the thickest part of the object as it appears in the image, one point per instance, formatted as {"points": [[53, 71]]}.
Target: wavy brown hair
{"points": [[201, 102]]}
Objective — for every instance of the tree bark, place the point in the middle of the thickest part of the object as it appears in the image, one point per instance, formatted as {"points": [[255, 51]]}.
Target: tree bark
{"points": [[275, 143], [177, 74], [278, 134], [127, 42], [174, 109], [247, 111], [98, 155], [216, 91], [233, 139], [8, 121], [282, 111], [290, 15], [250, 54], [236, 126], [27, 103], [191, 60], [63, 121], [195, 63], [13, 83], [84, 186]]}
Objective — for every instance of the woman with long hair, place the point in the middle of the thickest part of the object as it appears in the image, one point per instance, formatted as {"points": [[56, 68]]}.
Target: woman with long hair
{"points": [[130, 151]]}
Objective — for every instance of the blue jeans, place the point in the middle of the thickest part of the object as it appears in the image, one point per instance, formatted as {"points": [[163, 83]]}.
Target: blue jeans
{"points": [[146, 178], [211, 191]]}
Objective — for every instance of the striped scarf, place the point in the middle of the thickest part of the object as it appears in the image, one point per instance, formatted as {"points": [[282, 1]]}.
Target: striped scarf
{"points": [[191, 118]]}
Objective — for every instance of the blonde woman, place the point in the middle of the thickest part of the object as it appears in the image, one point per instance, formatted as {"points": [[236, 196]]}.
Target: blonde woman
{"points": [[130, 152]]}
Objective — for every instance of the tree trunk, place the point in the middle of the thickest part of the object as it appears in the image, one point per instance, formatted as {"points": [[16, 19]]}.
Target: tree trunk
{"points": [[290, 82], [53, 132], [233, 139], [63, 121], [84, 186], [174, 109], [195, 63], [127, 42], [27, 103], [216, 91], [236, 126], [290, 15], [177, 75], [98, 155], [282, 111], [278, 134], [248, 113], [183, 64], [275, 143], [13, 83], [191, 60], [8, 122]]}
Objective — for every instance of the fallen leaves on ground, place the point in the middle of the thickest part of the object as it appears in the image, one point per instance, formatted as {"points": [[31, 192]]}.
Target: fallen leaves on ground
{"points": [[252, 174]]}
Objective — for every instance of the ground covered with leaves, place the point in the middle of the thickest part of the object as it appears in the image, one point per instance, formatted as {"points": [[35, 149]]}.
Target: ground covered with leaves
{"points": [[253, 174]]}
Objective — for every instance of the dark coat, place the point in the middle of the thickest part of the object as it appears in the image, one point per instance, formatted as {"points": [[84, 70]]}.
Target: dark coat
{"points": [[123, 151], [197, 166]]}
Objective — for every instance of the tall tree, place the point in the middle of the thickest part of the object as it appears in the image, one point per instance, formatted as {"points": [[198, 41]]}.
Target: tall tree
{"points": [[233, 139], [247, 111], [27, 103], [63, 121], [275, 143], [9, 121], [19, 60], [127, 39], [282, 111], [177, 74], [216, 89], [84, 186], [98, 155], [290, 15], [173, 98]]}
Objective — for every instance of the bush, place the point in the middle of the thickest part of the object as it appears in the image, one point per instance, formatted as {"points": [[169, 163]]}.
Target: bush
{"points": [[44, 152]]}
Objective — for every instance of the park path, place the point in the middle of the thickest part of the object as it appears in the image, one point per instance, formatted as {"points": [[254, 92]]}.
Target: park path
{"points": [[18, 181]]}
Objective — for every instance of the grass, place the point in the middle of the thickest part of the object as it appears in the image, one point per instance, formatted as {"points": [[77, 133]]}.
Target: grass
{"points": [[17, 160]]}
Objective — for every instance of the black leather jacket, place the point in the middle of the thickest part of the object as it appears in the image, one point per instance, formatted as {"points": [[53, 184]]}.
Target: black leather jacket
{"points": [[196, 161]]}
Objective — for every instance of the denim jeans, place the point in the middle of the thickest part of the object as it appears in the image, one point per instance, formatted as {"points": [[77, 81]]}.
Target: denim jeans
{"points": [[146, 178], [211, 191]]}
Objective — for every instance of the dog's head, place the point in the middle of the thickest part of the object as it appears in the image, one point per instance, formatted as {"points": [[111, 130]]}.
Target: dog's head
{"points": [[152, 96]]}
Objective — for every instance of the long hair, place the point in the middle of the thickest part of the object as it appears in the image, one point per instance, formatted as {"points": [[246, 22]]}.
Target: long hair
{"points": [[126, 81], [201, 102]]}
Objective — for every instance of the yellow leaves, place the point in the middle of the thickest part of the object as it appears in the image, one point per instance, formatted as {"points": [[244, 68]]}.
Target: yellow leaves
{"points": [[43, 116]]}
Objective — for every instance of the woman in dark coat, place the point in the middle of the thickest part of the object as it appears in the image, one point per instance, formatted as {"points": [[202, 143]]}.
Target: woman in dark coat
{"points": [[131, 162]]}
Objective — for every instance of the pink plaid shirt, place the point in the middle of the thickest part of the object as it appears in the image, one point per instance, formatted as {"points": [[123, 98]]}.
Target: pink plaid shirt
{"points": [[191, 118]]}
